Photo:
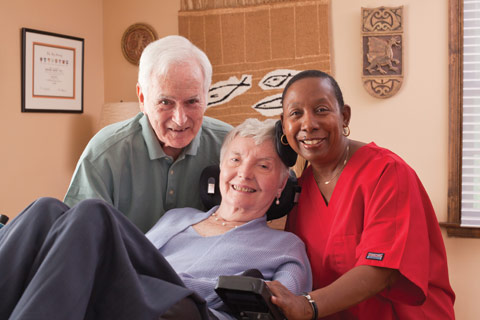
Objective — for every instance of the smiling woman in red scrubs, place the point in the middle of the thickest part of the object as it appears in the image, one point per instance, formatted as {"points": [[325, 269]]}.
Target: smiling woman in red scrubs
{"points": [[371, 233]]}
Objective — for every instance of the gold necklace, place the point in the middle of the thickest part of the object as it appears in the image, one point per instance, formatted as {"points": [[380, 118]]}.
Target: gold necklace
{"points": [[224, 222], [343, 166]]}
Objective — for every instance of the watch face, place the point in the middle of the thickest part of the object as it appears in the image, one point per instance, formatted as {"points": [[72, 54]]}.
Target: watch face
{"points": [[135, 39]]}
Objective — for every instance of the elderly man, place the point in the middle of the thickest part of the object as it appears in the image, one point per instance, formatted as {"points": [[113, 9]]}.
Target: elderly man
{"points": [[151, 163]]}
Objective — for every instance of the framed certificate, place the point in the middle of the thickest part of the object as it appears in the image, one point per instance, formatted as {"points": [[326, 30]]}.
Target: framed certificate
{"points": [[52, 72]]}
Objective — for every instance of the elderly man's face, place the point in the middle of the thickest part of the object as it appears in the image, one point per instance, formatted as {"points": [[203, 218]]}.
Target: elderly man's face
{"points": [[175, 103]]}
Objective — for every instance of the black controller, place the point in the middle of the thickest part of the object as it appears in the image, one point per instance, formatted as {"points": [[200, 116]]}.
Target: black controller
{"points": [[248, 298]]}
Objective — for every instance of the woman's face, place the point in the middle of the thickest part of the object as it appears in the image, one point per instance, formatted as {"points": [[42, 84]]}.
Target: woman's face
{"points": [[312, 120], [251, 176]]}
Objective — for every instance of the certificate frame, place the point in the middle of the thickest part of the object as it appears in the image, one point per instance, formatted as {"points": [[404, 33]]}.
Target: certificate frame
{"points": [[52, 72]]}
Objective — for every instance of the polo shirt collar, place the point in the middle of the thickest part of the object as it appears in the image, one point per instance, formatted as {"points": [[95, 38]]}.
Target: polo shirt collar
{"points": [[154, 148], [192, 148]]}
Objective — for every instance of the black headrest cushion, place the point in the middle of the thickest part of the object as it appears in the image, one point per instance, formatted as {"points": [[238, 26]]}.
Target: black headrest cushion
{"points": [[285, 152]]}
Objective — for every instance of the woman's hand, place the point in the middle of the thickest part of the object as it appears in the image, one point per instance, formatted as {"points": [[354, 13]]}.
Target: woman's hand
{"points": [[353, 287], [293, 307]]}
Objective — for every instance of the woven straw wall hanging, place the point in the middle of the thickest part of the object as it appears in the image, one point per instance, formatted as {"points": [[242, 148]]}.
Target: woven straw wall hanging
{"points": [[255, 47]]}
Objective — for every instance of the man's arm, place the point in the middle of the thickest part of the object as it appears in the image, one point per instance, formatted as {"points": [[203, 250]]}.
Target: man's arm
{"points": [[87, 183]]}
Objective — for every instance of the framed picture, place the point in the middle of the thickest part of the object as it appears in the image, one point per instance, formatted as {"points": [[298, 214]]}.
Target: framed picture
{"points": [[52, 72]]}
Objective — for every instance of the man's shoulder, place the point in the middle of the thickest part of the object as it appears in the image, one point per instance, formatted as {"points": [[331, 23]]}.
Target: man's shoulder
{"points": [[113, 136], [215, 125]]}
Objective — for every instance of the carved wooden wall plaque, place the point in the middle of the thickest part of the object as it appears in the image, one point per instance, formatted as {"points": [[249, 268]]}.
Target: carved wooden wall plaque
{"points": [[135, 39], [382, 47]]}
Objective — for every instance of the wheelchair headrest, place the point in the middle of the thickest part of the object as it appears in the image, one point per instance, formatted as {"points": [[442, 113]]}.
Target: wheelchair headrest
{"points": [[210, 193]]}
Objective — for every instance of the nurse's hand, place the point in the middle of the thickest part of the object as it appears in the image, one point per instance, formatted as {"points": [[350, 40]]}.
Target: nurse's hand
{"points": [[293, 307]]}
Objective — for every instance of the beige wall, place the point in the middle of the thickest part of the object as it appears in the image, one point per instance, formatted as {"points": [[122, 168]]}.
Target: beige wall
{"points": [[39, 150], [121, 75]]}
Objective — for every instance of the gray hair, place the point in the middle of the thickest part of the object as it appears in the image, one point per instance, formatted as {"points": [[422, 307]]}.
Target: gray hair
{"points": [[259, 131], [161, 54]]}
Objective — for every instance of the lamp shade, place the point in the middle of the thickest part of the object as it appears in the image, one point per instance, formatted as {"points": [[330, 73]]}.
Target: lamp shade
{"points": [[117, 111]]}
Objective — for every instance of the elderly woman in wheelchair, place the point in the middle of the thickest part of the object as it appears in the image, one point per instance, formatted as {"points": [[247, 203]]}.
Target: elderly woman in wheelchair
{"points": [[90, 262]]}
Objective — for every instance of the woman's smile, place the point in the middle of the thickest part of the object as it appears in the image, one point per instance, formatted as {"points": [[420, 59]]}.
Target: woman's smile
{"points": [[240, 188], [309, 143]]}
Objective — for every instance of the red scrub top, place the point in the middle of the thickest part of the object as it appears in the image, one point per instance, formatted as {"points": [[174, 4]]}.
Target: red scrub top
{"points": [[380, 215]]}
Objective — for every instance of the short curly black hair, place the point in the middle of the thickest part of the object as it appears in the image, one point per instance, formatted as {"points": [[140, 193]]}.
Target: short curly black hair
{"points": [[317, 74]]}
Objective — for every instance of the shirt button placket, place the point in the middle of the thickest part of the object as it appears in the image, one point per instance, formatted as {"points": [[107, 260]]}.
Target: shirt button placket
{"points": [[171, 186]]}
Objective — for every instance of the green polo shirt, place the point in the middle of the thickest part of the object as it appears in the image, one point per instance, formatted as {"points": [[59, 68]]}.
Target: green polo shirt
{"points": [[125, 165]]}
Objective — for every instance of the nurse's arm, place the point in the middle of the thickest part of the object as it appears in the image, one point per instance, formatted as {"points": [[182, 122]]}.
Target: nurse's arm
{"points": [[356, 285]]}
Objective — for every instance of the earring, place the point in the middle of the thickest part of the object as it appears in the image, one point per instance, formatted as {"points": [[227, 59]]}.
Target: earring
{"points": [[346, 131], [277, 202], [285, 143]]}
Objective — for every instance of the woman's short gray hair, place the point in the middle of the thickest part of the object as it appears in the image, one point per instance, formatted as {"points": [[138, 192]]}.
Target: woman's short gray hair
{"points": [[260, 131], [161, 54]]}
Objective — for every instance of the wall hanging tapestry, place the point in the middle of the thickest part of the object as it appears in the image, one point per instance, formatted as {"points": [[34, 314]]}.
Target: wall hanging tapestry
{"points": [[255, 47]]}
